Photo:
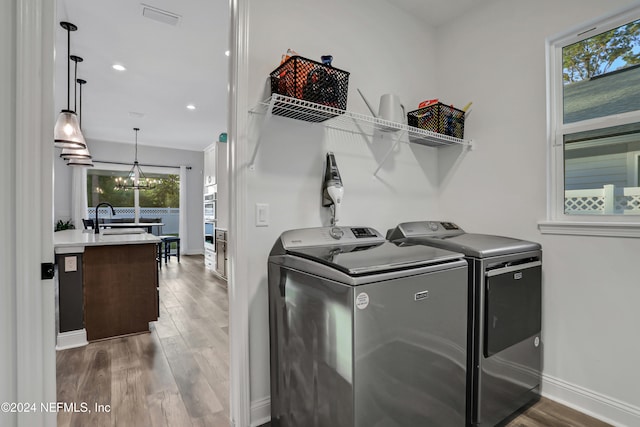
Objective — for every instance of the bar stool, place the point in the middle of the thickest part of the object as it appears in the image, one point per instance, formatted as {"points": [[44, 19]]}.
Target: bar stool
{"points": [[165, 248]]}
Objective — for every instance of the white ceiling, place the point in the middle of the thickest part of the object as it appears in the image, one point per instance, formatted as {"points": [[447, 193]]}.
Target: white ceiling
{"points": [[436, 12], [168, 66]]}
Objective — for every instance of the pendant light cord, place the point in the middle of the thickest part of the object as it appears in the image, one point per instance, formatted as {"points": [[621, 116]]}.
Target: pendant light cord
{"points": [[68, 68], [136, 155], [80, 115], [75, 87]]}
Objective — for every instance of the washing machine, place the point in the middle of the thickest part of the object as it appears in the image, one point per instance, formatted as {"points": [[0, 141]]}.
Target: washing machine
{"points": [[504, 319], [364, 332]]}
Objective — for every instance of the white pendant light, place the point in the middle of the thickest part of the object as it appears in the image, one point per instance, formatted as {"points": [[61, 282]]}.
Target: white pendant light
{"points": [[67, 133], [72, 153], [77, 153], [68, 153], [80, 162]]}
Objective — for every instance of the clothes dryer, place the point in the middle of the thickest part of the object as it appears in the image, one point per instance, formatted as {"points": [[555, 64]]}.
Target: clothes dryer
{"points": [[504, 319]]}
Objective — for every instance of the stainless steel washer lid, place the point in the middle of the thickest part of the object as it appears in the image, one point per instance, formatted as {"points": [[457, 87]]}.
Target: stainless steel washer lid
{"points": [[361, 260], [447, 235], [480, 245]]}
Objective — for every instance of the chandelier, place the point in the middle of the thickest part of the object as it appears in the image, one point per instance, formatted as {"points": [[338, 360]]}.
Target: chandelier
{"points": [[135, 179]]}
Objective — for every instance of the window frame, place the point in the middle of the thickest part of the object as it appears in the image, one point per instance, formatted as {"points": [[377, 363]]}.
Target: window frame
{"points": [[123, 167], [557, 221]]}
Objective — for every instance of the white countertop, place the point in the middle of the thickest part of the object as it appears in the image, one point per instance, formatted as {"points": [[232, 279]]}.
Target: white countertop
{"points": [[74, 241]]}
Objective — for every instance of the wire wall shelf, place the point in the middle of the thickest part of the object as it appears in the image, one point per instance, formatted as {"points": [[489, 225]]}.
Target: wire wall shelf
{"points": [[334, 118], [299, 109]]}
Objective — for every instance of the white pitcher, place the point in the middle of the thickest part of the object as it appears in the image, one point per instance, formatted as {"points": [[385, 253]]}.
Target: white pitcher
{"points": [[390, 108]]}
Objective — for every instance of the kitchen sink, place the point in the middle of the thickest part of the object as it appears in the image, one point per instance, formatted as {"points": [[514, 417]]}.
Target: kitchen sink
{"points": [[108, 231]]}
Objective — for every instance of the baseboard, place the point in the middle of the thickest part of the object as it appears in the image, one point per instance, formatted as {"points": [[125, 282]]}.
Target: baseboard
{"points": [[605, 408], [192, 252], [71, 339], [260, 411]]}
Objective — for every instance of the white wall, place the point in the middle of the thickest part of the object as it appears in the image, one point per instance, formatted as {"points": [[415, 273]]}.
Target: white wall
{"points": [[117, 152], [495, 57], [289, 164], [8, 388]]}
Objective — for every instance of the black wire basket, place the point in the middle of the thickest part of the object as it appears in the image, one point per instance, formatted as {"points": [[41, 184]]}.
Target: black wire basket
{"points": [[439, 118], [312, 81]]}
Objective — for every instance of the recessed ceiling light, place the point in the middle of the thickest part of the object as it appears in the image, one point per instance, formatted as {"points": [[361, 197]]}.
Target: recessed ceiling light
{"points": [[227, 53], [118, 67], [191, 107]]}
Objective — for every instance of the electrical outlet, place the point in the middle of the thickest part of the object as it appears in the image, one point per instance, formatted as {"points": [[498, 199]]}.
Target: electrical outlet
{"points": [[262, 215], [70, 263]]}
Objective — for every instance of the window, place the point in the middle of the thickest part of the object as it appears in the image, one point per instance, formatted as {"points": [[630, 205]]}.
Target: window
{"points": [[594, 121], [160, 204]]}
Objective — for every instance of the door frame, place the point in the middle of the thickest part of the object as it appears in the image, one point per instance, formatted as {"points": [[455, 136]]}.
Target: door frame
{"points": [[35, 298], [238, 278]]}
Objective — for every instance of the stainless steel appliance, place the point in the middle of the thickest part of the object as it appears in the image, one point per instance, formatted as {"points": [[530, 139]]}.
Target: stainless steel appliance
{"points": [[504, 319], [221, 252], [209, 215], [364, 332], [209, 207]]}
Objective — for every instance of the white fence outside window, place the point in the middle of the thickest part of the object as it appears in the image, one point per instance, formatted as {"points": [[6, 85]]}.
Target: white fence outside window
{"points": [[608, 200], [168, 216]]}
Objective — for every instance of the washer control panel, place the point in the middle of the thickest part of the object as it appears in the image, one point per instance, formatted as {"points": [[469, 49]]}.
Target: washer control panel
{"points": [[330, 236]]}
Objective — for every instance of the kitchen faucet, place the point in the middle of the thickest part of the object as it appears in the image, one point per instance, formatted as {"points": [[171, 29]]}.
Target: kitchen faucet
{"points": [[95, 225]]}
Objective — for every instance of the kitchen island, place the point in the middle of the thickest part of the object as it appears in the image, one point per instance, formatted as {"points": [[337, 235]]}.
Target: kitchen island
{"points": [[107, 284]]}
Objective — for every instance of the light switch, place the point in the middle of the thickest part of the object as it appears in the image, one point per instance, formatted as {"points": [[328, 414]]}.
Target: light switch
{"points": [[70, 264], [262, 215]]}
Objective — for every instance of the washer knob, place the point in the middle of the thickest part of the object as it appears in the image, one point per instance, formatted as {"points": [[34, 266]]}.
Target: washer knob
{"points": [[336, 233]]}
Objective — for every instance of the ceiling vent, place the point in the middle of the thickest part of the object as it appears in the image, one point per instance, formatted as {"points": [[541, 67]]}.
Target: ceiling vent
{"points": [[160, 15]]}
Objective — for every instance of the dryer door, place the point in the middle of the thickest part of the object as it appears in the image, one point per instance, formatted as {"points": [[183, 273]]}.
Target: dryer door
{"points": [[513, 303]]}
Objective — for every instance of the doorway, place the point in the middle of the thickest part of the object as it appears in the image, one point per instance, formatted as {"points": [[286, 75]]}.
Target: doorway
{"points": [[178, 141]]}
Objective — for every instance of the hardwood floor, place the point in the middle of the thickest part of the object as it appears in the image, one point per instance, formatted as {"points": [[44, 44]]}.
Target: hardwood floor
{"points": [[178, 375], [547, 413]]}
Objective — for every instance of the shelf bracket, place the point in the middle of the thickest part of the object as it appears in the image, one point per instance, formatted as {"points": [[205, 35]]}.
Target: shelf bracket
{"points": [[393, 147], [268, 115]]}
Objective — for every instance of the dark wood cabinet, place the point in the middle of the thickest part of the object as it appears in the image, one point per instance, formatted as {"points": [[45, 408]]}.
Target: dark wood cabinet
{"points": [[120, 289]]}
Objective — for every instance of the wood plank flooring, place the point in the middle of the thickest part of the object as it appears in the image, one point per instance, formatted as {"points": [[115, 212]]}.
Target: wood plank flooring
{"points": [[547, 413], [178, 374]]}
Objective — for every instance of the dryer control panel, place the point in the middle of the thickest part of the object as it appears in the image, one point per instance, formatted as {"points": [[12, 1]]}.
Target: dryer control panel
{"points": [[425, 229], [330, 236]]}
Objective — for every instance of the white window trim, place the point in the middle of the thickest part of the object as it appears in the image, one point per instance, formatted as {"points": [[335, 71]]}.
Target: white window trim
{"points": [[633, 166], [116, 167], [126, 167], [557, 222]]}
